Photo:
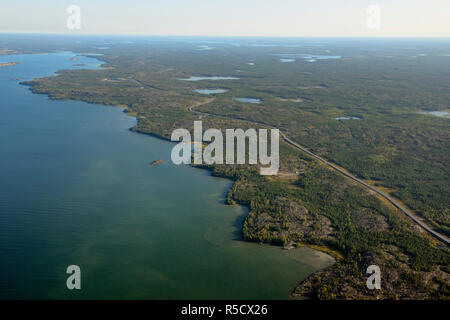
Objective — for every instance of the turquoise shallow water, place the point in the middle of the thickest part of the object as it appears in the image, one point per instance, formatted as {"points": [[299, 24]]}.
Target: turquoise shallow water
{"points": [[76, 188]]}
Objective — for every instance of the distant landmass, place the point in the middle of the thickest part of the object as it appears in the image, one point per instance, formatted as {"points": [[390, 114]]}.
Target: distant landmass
{"points": [[8, 64]]}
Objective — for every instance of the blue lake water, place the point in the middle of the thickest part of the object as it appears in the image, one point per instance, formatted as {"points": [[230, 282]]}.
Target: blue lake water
{"points": [[211, 91], [320, 57], [248, 100], [204, 48], [441, 114], [290, 57], [208, 78], [285, 60], [347, 118], [76, 187]]}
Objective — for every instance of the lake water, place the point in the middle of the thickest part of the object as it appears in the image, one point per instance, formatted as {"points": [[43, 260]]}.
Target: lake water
{"points": [[208, 78], [248, 100], [284, 60], [320, 57], [441, 114], [76, 187], [204, 48], [347, 118], [289, 57], [211, 91]]}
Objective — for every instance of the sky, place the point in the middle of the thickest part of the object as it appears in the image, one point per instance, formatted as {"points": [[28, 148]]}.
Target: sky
{"points": [[288, 18]]}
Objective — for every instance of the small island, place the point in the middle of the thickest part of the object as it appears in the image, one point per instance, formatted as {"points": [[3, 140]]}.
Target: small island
{"points": [[156, 162], [8, 64]]}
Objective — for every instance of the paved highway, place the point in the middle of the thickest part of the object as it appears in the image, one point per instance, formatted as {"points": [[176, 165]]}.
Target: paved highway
{"points": [[407, 212]]}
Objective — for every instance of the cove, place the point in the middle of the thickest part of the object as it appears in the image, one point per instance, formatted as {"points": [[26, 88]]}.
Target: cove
{"points": [[76, 188]]}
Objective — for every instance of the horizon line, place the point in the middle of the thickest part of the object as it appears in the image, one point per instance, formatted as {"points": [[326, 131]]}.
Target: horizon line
{"points": [[220, 36]]}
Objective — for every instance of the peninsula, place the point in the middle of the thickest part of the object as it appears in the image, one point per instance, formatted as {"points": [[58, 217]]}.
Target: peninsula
{"points": [[8, 64]]}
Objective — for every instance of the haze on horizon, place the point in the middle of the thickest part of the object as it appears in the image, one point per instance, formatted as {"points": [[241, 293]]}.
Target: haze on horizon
{"points": [[289, 18]]}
